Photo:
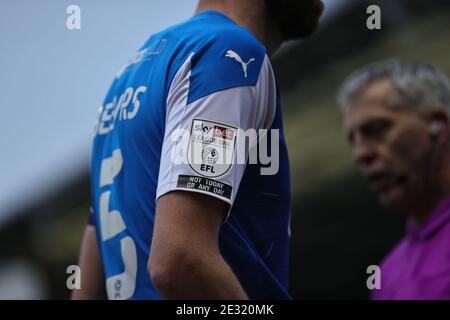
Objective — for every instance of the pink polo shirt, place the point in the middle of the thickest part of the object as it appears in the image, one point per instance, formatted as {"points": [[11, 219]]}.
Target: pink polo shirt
{"points": [[419, 266]]}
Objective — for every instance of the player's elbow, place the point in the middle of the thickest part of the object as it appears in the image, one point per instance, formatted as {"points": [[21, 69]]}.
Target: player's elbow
{"points": [[171, 271]]}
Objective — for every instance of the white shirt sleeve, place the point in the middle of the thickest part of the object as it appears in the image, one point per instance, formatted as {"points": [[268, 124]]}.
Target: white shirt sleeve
{"points": [[203, 149]]}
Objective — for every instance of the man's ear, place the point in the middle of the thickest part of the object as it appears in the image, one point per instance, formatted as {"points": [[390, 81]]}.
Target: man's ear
{"points": [[439, 124]]}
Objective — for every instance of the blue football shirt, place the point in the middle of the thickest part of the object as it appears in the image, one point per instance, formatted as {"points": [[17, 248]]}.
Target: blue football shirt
{"points": [[176, 118]]}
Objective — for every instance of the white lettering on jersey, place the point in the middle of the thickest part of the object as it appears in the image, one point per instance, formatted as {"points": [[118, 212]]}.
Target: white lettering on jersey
{"points": [[145, 54], [120, 108]]}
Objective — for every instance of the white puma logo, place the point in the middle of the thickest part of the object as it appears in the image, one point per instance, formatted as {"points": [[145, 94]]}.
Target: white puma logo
{"points": [[233, 55]]}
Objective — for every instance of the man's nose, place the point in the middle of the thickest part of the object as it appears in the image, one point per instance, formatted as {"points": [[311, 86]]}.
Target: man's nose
{"points": [[364, 153]]}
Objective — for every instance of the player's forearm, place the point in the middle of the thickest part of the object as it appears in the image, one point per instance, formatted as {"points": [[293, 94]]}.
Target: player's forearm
{"points": [[202, 278]]}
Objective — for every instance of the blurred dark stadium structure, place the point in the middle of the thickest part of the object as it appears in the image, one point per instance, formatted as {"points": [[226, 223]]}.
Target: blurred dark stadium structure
{"points": [[338, 229]]}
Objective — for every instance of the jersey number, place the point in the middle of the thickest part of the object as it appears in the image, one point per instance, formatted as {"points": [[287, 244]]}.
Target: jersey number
{"points": [[120, 286]]}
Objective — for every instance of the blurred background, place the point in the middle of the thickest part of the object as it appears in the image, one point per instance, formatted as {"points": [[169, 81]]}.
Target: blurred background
{"points": [[52, 81]]}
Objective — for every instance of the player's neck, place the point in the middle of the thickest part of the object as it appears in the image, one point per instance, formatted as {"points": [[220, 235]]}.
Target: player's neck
{"points": [[251, 17]]}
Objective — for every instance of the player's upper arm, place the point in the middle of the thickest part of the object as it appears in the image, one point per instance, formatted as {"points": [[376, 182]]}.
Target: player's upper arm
{"points": [[186, 224]]}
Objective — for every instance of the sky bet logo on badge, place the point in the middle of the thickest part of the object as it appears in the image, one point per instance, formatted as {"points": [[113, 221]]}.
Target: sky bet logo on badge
{"points": [[211, 147], [224, 133]]}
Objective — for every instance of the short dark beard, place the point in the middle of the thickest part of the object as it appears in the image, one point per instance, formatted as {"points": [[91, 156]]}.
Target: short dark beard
{"points": [[296, 18]]}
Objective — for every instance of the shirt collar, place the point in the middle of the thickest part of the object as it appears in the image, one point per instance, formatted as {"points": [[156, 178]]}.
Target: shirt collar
{"points": [[432, 223]]}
